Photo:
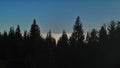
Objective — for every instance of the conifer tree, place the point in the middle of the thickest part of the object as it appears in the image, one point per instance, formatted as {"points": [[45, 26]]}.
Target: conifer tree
{"points": [[77, 35], [94, 37], [11, 33], [18, 34], [112, 30], [34, 31], [50, 40], [103, 34], [63, 41]]}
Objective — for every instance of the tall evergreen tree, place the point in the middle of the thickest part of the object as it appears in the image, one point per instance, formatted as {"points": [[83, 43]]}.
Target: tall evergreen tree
{"points": [[34, 31], [113, 47], [51, 44], [94, 37], [101, 46], [77, 34], [76, 43], [12, 46], [112, 30], [63, 41], [18, 34], [11, 33], [103, 34], [50, 40]]}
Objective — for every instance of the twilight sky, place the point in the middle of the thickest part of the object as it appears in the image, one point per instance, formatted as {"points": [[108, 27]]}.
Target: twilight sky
{"points": [[57, 14]]}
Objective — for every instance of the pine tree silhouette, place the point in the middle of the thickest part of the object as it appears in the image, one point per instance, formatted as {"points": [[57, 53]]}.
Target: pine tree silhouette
{"points": [[111, 30], [34, 31], [63, 41], [77, 34], [50, 40], [103, 34], [100, 49], [18, 34]]}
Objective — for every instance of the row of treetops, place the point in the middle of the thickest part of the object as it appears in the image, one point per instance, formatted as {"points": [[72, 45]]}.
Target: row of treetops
{"points": [[77, 34]]}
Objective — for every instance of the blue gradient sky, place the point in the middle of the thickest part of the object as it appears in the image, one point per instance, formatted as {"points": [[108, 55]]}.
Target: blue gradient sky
{"points": [[57, 14]]}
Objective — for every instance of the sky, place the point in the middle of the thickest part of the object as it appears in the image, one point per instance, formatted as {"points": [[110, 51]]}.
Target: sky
{"points": [[56, 15]]}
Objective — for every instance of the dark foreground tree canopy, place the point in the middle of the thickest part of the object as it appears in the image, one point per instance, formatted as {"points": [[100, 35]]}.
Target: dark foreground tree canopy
{"points": [[94, 49]]}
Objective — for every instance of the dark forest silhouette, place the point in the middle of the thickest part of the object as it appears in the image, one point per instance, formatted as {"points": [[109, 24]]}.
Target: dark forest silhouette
{"points": [[98, 49]]}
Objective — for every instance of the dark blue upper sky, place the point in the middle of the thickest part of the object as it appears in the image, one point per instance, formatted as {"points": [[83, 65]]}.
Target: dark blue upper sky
{"points": [[57, 14]]}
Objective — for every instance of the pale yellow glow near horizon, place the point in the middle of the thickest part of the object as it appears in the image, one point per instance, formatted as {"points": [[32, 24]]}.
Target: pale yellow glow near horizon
{"points": [[56, 35]]}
